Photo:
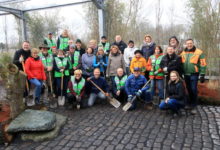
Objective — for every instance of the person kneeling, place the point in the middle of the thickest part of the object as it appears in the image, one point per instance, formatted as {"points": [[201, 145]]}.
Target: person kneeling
{"points": [[76, 88], [93, 91], [119, 85], [174, 94], [133, 87]]}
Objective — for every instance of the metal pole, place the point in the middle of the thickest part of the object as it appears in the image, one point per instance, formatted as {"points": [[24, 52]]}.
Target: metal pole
{"points": [[101, 22], [24, 27]]}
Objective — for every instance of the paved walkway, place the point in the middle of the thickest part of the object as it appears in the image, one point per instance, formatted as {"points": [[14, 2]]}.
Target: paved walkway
{"points": [[103, 127]]}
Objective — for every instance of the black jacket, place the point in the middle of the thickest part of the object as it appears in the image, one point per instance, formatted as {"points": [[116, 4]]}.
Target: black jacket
{"points": [[176, 91], [121, 45], [172, 63], [17, 55], [148, 50]]}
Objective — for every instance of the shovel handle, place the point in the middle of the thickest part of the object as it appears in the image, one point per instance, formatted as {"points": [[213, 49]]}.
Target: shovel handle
{"points": [[51, 86], [27, 85]]}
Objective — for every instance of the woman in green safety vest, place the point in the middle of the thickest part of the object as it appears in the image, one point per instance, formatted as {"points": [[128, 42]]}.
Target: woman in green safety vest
{"points": [[155, 72], [47, 60], [62, 42], [119, 85], [76, 89], [61, 67], [74, 58]]}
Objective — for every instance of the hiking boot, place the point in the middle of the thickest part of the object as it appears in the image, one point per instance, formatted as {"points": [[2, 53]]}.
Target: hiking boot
{"points": [[149, 107]]}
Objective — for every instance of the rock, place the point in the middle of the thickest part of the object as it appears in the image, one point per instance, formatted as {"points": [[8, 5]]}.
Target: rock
{"points": [[33, 120], [46, 135]]}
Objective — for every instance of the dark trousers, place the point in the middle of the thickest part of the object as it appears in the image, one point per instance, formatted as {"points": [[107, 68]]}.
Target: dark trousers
{"points": [[122, 97], [191, 85], [58, 85]]}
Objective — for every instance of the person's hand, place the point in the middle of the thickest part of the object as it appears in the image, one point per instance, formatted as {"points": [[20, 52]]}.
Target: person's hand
{"points": [[88, 79], [139, 92], [49, 69], [156, 72], [167, 99], [152, 69], [61, 70], [62, 67], [21, 59], [202, 78], [106, 94], [130, 98], [74, 68], [118, 92], [165, 69]]}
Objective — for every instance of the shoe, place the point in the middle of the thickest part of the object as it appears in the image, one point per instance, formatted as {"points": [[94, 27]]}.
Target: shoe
{"points": [[30, 101], [149, 107]]}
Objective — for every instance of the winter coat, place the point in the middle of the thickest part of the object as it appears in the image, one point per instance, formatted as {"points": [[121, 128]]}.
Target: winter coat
{"points": [[133, 84], [101, 82], [97, 63], [87, 64], [176, 91], [17, 55], [128, 55], [148, 50], [172, 63], [115, 62], [140, 63], [35, 69], [121, 45]]}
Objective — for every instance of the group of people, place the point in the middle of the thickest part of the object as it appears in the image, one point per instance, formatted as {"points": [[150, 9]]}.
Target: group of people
{"points": [[120, 70]]}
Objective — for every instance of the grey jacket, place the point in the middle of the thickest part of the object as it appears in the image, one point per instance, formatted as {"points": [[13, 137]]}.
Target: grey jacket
{"points": [[115, 62]]}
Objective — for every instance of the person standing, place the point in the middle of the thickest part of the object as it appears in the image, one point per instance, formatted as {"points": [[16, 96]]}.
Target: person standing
{"points": [[133, 87], [175, 92], [171, 62], [50, 42], [94, 46], [115, 61], [156, 74], [174, 42], [129, 54], [104, 44], [138, 61], [101, 61], [79, 47], [148, 47], [22, 55], [87, 63], [62, 42], [35, 72], [194, 65], [119, 43]]}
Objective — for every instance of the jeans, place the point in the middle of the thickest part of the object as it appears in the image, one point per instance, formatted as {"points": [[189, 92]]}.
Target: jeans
{"points": [[191, 85], [172, 104], [93, 96], [160, 85], [38, 85], [146, 96]]}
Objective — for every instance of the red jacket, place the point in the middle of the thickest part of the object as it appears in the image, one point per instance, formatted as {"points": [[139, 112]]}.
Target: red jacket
{"points": [[34, 68]]}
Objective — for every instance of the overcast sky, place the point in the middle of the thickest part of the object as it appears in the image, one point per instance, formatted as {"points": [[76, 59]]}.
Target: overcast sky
{"points": [[75, 15]]}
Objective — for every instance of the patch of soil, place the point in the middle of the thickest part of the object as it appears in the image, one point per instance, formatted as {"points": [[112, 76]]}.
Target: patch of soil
{"points": [[4, 112], [205, 91]]}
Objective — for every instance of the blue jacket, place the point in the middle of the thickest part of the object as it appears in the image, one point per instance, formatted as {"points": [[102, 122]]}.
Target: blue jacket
{"points": [[133, 84], [101, 82], [148, 50], [97, 63]]}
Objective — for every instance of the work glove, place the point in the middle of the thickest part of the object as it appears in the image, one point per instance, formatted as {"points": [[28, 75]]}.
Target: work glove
{"points": [[139, 92], [156, 72], [202, 78], [130, 98], [21, 59]]}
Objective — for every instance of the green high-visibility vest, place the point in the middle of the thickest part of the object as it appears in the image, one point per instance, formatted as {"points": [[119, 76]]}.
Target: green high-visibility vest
{"points": [[156, 65], [63, 43], [107, 46], [77, 87], [76, 56], [50, 42], [120, 83], [46, 60], [61, 63]]}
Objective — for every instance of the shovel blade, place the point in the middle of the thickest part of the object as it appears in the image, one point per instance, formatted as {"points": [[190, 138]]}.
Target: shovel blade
{"points": [[114, 102], [61, 101], [127, 106]]}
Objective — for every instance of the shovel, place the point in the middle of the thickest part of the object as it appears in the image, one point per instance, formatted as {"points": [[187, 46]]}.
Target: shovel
{"points": [[129, 104], [114, 102], [61, 100]]}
